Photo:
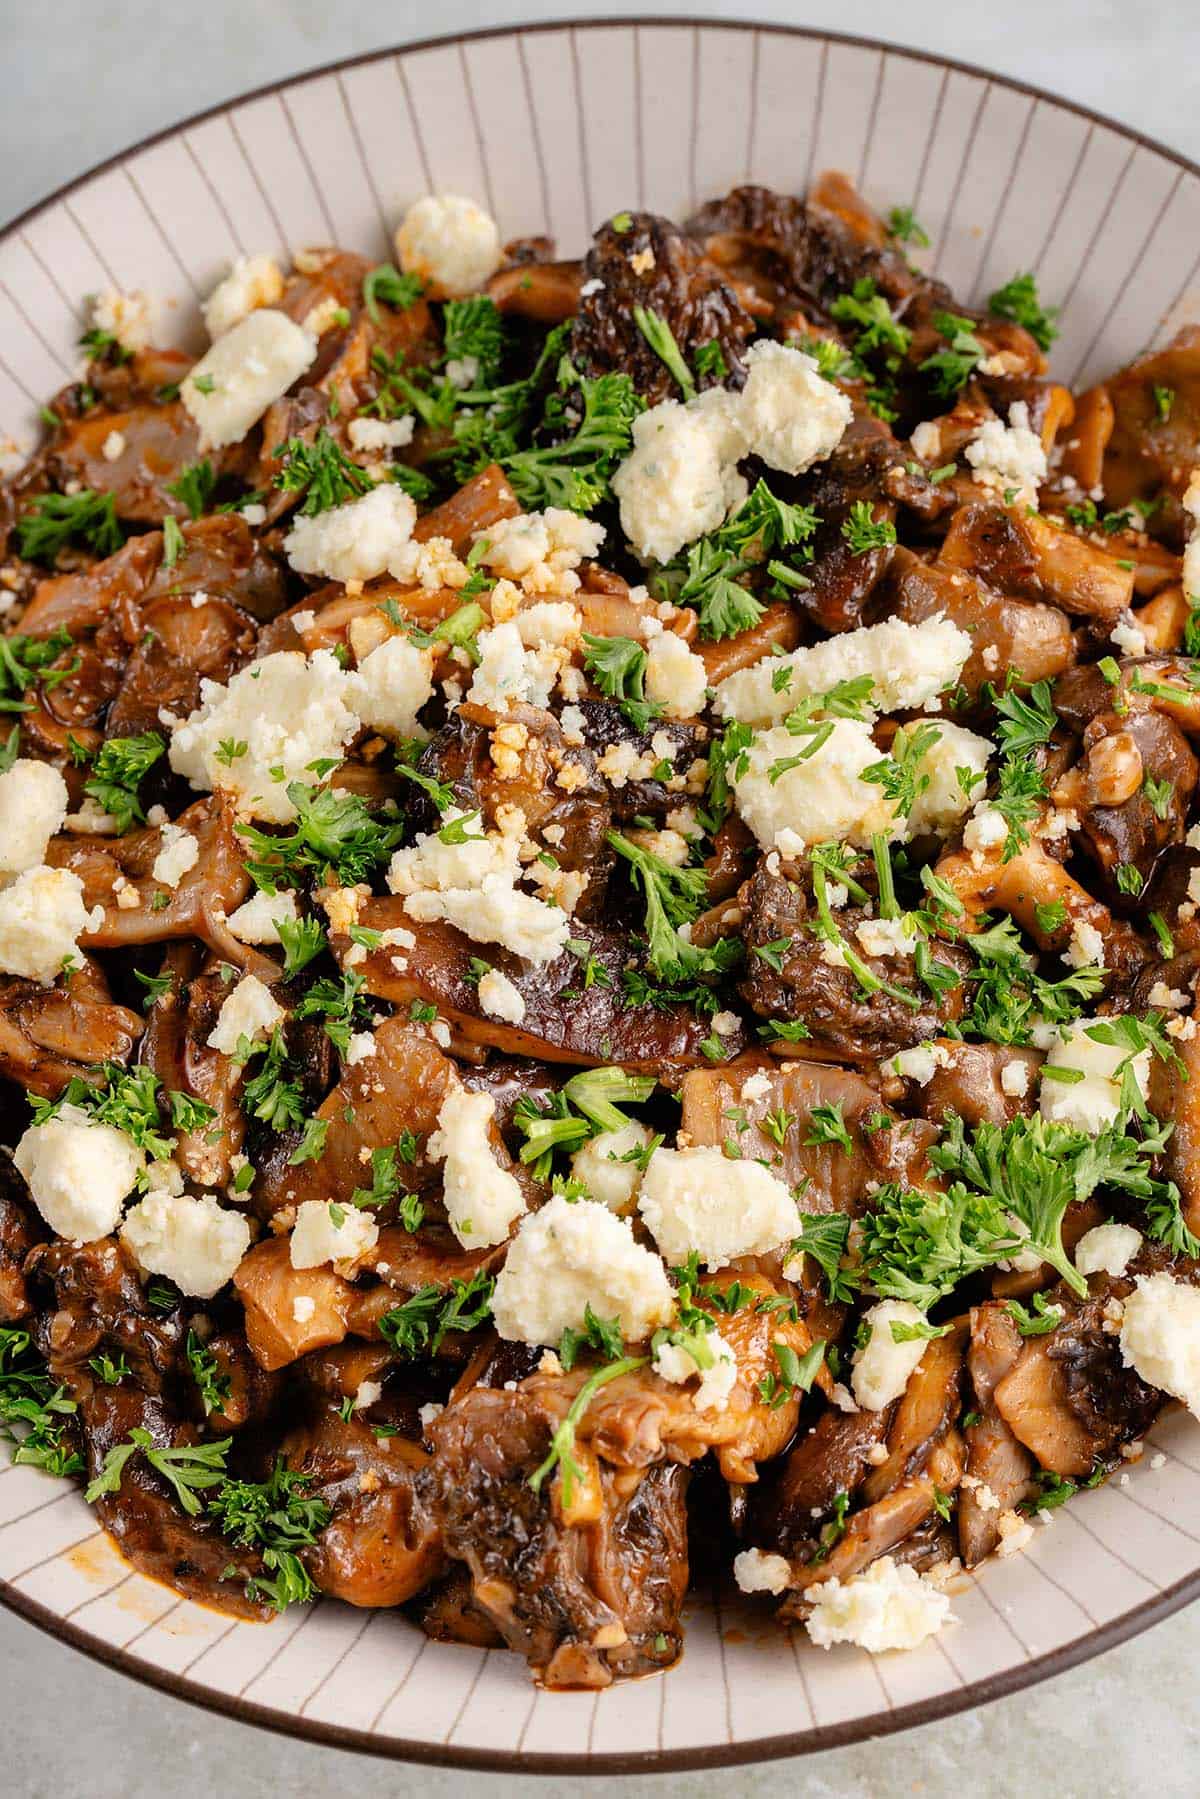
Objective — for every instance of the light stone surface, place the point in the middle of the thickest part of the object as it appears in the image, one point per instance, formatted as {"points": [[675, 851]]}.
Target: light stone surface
{"points": [[87, 77]]}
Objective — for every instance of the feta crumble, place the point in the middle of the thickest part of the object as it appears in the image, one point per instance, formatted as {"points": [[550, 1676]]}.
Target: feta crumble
{"points": [[499, 998], [602, 1166], [1094, 1102], [882, 1367], [194, 1242], [1107, 1249], [758, 1571], [259, 918], [253, 281], [243, 374], [450, 242], [569, 1256], [675, 676], [392, 684], [250, 1011], [1160, 1336], [698, 1199], [482, 1199], [673, 1362], [323, 1233], [288, 710], [79, 1173], [179, 852], [889, 1606], [356, 541], [471, 885], [908, 664], [42, 917], [1009, 456], [33, 807]]}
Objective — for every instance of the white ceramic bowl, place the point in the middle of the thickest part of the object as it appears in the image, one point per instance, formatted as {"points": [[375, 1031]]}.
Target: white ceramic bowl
{"points": [[554, 128]]}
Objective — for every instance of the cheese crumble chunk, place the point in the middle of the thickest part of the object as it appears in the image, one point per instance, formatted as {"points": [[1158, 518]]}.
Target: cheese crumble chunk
{"points": [[909, 665], [33, 805], [282, 713], [450, 242], [482, 1199], [789, 414], [253, 281], [718, 1377], [758, 1571], [42, 917], [821, 797], [250, 1011], [356, 541], [1009, 457], [499, 998], [179, 853], [680, 479], [889, 1606], [1160, 1336], [259, 918], [392, 684], [675, 676], [605, 1166], [194, 1242], [882, 1367], [698, 1199], [244, 373], [569, 1256], [1107, 1249], [79, 1173], [1093, 1102], [323, 1233], [472, 885]]}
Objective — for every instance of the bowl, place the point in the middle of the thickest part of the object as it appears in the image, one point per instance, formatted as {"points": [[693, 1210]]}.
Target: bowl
{"points": [[554, 127]]}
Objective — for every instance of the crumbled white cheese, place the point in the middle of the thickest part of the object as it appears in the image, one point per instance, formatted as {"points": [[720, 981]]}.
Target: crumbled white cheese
{"points": [[259, 918], [887, 936], [113, 447], [1014, 1079], [675, 676], [882, 1367], [820, 797], [535, 548], [921, 1063], [381, 435], [356, 541], [790, 415], [179, 852], [392, 684], [1086, 948], [1009, 457], [509, 671], [33, 806], [1092, 1103], [482, 1199], [325, 1233], [472, 885], [499, 998], [303, 1308], [718, 1374], [938, 808], [125, 316], [253, 281], [1016, 1533], [450, 242], [194, 1242], [1107, 1249], [243, 374], [1128, 636], [42, 916], [250, 1011], [698, 1199], [608, 1167], [908, 664], [1160, 1336], [680, 479], [79, 1173], [986, 830], [572, 1255], [360, 1048], [758, 1086], [289, 710], [758, 1571], [889, 1606]]}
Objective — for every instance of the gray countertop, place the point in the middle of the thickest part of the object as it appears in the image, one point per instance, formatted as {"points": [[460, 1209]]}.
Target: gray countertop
{"points": [[86, 78]]}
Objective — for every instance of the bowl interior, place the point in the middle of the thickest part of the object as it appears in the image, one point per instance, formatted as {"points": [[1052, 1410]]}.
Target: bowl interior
{"points": [[554, 128]]}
